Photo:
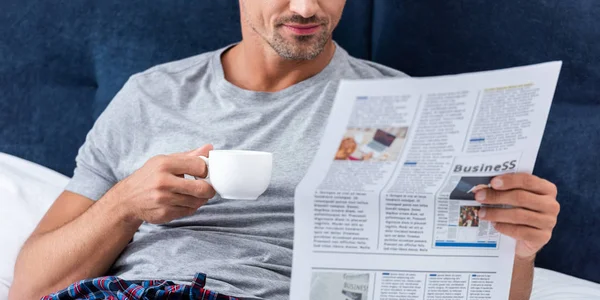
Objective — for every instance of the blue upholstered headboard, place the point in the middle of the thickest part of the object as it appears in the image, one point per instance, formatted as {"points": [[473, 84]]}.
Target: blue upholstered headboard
{"points": [[62, 61]]}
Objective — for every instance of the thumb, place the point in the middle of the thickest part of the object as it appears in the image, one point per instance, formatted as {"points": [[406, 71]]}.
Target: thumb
{"points": [[202, 151]]}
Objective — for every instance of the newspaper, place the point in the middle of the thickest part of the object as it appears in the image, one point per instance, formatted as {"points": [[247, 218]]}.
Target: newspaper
{"points": [[386, 209]]}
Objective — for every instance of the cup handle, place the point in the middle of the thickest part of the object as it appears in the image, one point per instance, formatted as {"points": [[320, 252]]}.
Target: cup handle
{"points": [[207, 179]]}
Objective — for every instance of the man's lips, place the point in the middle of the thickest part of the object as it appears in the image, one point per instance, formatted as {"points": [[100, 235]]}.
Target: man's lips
{"points": [[303, 29]]}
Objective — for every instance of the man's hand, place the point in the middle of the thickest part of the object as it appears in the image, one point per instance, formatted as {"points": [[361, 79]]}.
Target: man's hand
{"points": [[534, 212], [157, 193]]}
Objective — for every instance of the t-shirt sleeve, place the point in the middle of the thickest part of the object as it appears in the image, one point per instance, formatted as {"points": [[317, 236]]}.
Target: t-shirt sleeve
{"points": [[97, 160]]}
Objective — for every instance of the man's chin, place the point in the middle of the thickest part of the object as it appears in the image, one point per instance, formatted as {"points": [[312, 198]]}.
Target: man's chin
{"points": [[305, 47], [298, 54]]}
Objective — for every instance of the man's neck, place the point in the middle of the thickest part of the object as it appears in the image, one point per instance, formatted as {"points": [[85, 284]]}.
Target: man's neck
{"points": [[257, 67]]}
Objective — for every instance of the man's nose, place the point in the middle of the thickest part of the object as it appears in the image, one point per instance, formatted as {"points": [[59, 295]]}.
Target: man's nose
{"points": [[305, 8]]}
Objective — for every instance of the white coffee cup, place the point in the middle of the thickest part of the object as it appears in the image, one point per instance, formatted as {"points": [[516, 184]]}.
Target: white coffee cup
{"points": [[239, 174]]}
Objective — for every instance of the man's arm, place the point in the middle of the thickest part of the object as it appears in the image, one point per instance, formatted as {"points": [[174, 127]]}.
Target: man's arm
{"points": [[78, 239], [522, 279]]}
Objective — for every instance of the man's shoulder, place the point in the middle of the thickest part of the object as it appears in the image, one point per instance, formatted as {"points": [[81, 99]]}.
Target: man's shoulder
{"points": [[369, 69], [356, 68], [181, 67]]}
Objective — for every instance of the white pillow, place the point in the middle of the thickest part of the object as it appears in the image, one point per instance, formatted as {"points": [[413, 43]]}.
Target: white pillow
{"points": [[26, 192]]}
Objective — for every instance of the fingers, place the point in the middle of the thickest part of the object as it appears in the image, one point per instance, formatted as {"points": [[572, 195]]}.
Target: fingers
{"points": [[183, 163], [524, 181], [202, 151], [524, 233], [533, 214], [519, 198], [187, 201], [170, 189], [518, 216], [479, 187], [180, 164], [167, 185], [195, 188]]}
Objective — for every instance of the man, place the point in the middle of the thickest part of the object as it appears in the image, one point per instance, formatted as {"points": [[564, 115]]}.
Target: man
{"points": [[129, 211]]}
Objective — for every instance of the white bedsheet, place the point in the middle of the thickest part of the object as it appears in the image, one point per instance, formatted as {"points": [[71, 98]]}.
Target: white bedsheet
{"points": [[26, 192], [550, 285], [28, 189]]}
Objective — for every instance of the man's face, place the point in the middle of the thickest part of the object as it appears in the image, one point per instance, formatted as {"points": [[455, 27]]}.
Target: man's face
{"points": [[295, 29]]}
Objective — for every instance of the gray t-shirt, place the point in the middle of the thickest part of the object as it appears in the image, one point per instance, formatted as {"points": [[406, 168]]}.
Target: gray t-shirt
{"points": [[244, 247]]}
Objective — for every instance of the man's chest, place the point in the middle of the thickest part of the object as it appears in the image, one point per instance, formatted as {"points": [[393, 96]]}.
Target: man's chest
{"points": [[291, 132]]}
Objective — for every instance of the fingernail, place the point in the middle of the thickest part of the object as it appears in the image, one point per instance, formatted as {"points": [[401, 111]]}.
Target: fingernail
{"points": [[497, 183], [480, 196], [482, 212]]}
